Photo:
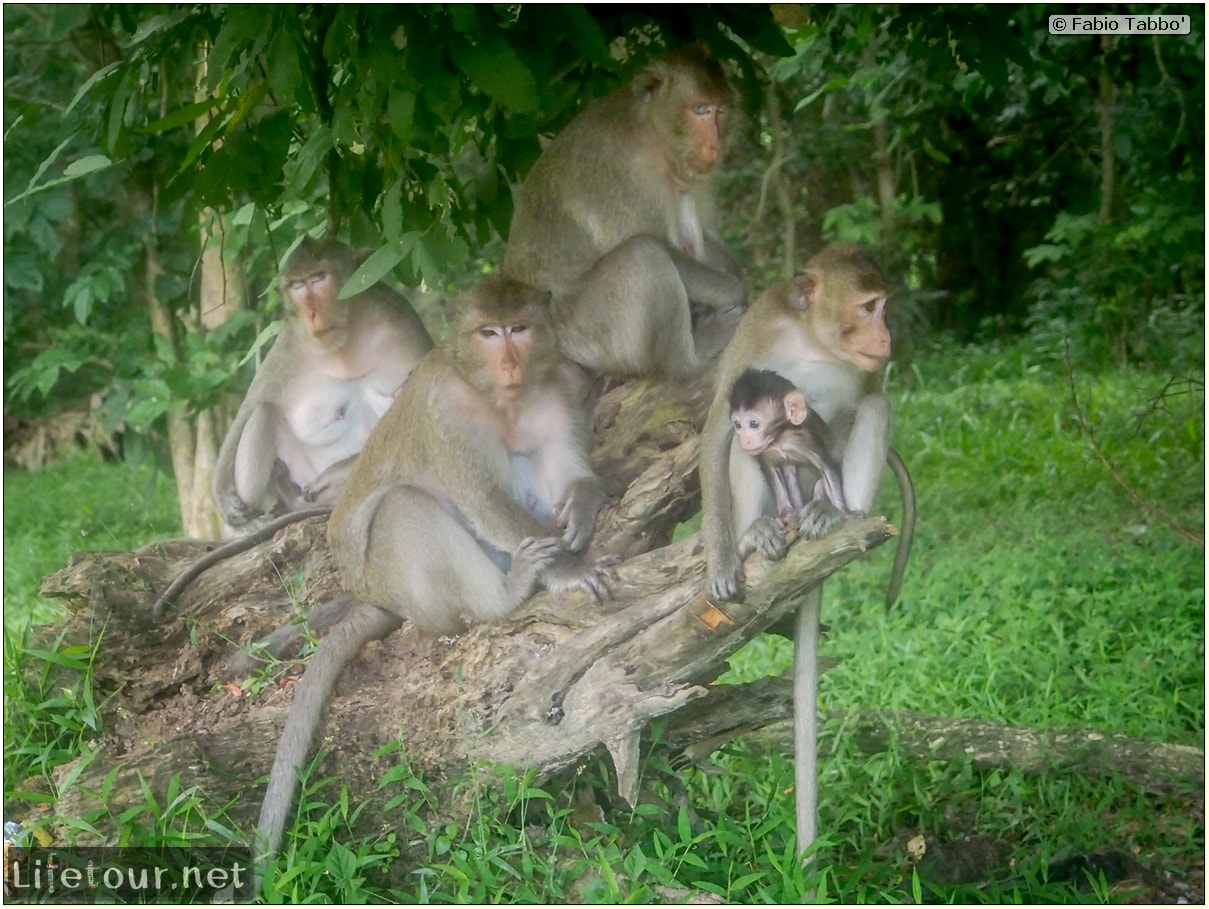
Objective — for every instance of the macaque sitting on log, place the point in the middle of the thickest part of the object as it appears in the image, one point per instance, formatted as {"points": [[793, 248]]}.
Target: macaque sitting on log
{"points": [[472, 493], [612, 220], [824, 331], [330, 375], [774, 425]]}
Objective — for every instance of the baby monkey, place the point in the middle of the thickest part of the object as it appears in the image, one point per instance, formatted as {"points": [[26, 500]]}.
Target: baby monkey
{"points": [[774, 425]]}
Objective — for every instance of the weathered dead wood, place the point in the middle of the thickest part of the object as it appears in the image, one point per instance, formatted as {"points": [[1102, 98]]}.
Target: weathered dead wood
{"points": [[762, 714], [541, 690]]}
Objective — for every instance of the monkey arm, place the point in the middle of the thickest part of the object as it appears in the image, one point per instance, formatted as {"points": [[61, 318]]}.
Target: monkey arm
{"points": [[577, 512], [331, 480], [706, 285], [722, 555], [719, 258], [245, 464]]}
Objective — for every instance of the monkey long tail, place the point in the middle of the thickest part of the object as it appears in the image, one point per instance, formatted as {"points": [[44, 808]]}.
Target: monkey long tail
{"points": [[363, 624], [806, 718], [227, 550], [906, 533]]}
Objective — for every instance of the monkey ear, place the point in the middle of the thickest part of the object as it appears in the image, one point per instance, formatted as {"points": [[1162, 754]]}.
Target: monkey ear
{"points": [[796, 410], [652, 79], [805, 291]]}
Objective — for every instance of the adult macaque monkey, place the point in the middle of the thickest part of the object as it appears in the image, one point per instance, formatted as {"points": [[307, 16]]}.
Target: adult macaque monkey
{"points": [[473, 491], [330, 375], [824, 331], [612, 220], [774, 425]]}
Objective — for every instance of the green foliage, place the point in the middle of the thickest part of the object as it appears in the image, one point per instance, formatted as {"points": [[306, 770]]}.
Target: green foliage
{"points": [[954, 138], [400, 128], [1126, 294]]}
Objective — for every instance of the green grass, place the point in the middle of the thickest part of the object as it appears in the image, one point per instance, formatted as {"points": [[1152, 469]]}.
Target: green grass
{"points": [[76, 505], [1039, 594]]}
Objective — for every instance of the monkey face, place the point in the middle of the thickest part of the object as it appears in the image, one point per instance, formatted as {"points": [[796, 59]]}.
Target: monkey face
{"points": [[857, 332], [314, 297], [505, 351], [704, 120], [755, 428]]}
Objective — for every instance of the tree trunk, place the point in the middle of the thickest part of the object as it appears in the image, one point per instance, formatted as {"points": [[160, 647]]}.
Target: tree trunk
{"points": [[223, 290], [560, 678], [887, 179], [1108, 155]]}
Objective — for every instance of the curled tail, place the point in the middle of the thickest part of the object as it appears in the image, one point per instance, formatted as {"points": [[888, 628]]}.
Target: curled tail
{"points": [[227, 550], [906, 533]]}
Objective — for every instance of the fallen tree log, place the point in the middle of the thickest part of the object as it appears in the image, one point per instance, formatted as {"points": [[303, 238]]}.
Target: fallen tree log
{"points": [[542, 690], [559, 680], [554, 683], [761, 713]]}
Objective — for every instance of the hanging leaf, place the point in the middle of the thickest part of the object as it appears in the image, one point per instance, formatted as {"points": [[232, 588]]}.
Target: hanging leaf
{"points": [[379, 264], [494, 67]]}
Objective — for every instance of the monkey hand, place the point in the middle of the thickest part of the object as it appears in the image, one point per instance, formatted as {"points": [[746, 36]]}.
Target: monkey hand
{"points": [[765, 537], [573, 573], [315, 491], [725, 581], [236, 512], [576, 516], [818, 518]]}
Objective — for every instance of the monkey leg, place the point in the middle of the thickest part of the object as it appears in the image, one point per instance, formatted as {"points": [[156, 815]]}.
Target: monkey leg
{"points": [[707, 286], [422, 563], [629, 314], [326, 487]]}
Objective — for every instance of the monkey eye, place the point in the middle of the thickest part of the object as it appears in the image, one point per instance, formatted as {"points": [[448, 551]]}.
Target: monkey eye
{"points": [[519, 329], [753, 424], [487, 331], [701, 108], [297, 285], [738, 425], [318, 277]]}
